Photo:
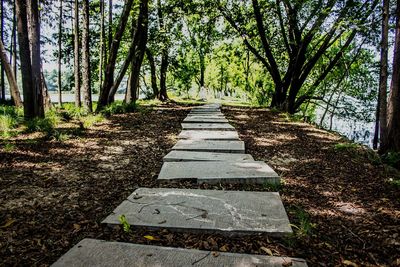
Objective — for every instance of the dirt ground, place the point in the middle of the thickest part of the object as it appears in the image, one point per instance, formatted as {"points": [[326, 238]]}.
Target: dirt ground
{"points": [[54, 194]]}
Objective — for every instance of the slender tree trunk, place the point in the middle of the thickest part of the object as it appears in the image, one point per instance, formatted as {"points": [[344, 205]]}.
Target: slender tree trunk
{"points": [[59, 53], [112, 57], [110, 22], [102, 43], [164, 58], [153, 75], [86, 72], [34, 32], [10, 76], [393, 140], [14, 49], [76, 56], [141, 40], [381, 110], [2, 85], [30, 95]]}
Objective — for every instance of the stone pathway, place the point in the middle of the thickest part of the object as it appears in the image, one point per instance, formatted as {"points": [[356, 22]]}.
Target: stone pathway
{"points": [[209, 151]]}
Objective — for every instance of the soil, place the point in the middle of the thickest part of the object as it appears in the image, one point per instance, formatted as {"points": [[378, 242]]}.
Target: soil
{"points": [[53, 194]]}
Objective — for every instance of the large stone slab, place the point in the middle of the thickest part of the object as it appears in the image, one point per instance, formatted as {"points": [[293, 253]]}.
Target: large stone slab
{"points": [[208, 135], [178, 155], [92, 252], [215, 172], [205, 119], [227, 212], [225, 146], [208, 126]]}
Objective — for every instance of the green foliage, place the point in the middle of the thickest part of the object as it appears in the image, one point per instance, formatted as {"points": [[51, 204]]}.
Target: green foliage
{"points": [[304, 227], [46, 125], [60, 136], [118, 108], [73, 111], [274, 187], [125, 224], [9, 147], [346, 146], [392, 159], [90, 120], [10, 117]]}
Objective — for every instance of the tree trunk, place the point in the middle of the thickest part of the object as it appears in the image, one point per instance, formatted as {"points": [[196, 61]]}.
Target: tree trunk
{"points": [[140, 40], [76, 56], [34, 37], [383, 77], [30, 95], [102, 43], [59, 53], [163, 76], [2, 85], [153, 75], [112, 57], [86, 72], [393, 140], [110, 21], [14, 50], [10, 76]]}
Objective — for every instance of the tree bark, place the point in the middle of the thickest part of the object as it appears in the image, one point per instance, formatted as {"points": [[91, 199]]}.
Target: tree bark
{"points": [[59, 53], [164, 58], [112, 57], [10, 76], [30, 95], [34, 38], [393, 137], [383, 77], [140, 40], [86, 72], [110, 22], [2, 67], [76, 56], [153, 75], [102, 43]]}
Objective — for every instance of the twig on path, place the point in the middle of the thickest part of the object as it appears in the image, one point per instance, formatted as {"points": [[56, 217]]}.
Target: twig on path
{"points": [[199, 260]]}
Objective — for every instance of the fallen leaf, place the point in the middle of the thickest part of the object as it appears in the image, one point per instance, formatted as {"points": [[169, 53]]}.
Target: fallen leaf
{"points": [[349, 263], [267, 250], [224, 248], [77, 226], [149, 237], [215, 254], [8, 223]]}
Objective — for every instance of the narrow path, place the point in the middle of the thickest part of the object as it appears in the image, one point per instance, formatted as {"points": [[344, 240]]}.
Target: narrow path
{"points": [[211, 152]]}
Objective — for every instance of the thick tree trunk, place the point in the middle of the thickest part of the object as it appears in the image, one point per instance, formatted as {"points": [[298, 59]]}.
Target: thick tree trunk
{"points": [[60, 21], [30, 95], [76, 56], [86, 72], [110, 22], [393, 140], [112, 57], [14, 50], [10, 76], [140, 38], [382, 97], [163, 76], [153, 74], [34, 37]]}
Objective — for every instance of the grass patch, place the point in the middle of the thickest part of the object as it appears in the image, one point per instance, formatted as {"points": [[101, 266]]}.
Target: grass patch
{"points": [[275, 187], [89, 120], [346, 146], [119, 107]]}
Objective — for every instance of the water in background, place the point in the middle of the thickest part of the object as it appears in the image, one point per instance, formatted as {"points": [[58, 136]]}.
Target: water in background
{"points": [[358, 131]]}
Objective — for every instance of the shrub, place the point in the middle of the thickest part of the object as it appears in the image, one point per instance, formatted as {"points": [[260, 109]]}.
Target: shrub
{"points": [[89, 120], [118, 108]]}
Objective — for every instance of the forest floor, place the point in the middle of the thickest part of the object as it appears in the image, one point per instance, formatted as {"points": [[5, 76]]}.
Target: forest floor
{"points": [[339, 198]]}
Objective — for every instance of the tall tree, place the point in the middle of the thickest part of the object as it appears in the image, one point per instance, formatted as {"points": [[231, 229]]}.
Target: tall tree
{"points": [[383, 77], [307, 30], [393, 119], [60, 30], [3, 89], [153, 72], [86, 72], [34, 38], [140, 40], [76, 56], [31, 95], [163, 96], [110, 22], [102, 42], [112, 56], [10, 76]]}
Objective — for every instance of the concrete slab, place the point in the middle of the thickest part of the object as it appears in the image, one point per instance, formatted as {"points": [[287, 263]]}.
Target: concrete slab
{"points": [[226, 146], [177, 156], [215, 172], [227, 212], [92, 252], [208, 126], [203, 119], [208, 135]]}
